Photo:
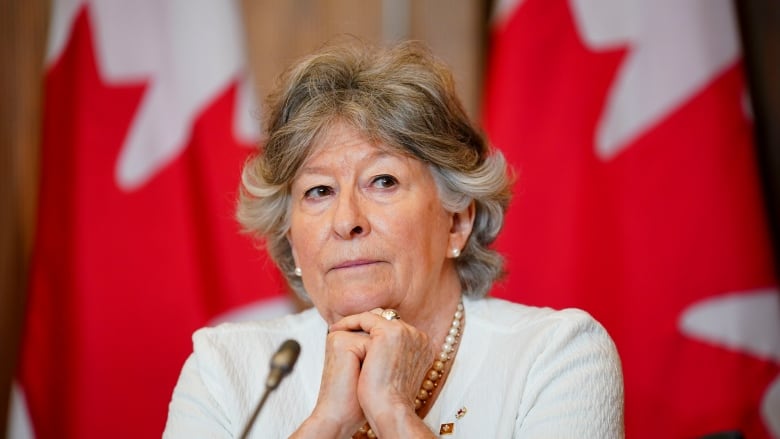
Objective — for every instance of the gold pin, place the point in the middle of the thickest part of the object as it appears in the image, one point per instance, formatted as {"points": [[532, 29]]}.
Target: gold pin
{"points": [[447, 429], [461, 412]]}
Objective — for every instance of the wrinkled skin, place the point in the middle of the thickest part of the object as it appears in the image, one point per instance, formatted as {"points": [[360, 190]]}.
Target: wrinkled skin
{"points": [[369, 232]]}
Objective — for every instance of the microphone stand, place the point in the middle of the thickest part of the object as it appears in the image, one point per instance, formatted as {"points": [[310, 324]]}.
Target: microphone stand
{"points": [[281, 364], [251, 421]]}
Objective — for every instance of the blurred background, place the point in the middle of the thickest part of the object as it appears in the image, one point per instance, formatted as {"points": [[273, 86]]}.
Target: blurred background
{"points": [[645, 137]]}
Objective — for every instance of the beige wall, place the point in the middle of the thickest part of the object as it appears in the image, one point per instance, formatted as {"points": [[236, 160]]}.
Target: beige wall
{"points": [[280, 31]]}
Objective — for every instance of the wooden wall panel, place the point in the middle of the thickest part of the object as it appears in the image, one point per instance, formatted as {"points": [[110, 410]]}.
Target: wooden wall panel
{"points": [[457, 32], [281, 31], [759, 22], [22, 39]]}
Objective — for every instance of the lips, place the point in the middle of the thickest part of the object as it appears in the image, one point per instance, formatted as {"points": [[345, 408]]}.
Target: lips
{"points": [[354, 263]]}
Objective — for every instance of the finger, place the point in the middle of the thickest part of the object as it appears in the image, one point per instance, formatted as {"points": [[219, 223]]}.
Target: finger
{"points": [[337, 401], [365, 322], [344, 354], [340, 342], [387, 314]]}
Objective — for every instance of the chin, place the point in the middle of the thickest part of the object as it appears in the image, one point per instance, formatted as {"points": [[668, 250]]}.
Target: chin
{"points": [[357, 301]]}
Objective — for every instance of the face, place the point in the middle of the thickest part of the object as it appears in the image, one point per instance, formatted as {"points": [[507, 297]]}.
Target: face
{"points": [[368, 230]]}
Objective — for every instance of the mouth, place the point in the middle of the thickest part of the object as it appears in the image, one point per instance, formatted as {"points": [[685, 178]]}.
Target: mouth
{"points": [[357, 263]]}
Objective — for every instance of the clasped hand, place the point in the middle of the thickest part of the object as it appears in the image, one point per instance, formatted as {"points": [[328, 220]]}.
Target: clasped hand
{"points": [[372, 372]]}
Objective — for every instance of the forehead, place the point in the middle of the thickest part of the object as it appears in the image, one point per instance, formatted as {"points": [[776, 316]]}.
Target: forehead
{"points": [[345, 144]]}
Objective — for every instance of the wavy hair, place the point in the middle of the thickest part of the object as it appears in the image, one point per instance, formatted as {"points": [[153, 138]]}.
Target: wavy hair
{"points": [[401, 97]]}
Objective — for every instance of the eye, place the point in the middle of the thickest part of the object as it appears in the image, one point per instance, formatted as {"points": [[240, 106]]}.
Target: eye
{"points": [[384, 181], [318, 192]]}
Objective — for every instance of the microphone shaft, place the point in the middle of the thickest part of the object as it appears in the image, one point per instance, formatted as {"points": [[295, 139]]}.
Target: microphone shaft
{"points": [[251, 422], [282, 364]]}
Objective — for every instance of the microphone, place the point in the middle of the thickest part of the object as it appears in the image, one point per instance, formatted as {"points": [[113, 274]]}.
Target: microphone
{"points": [[282, 364]]}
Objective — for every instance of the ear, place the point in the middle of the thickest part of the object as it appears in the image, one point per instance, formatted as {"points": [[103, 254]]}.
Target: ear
{"points": [[462, 223]]}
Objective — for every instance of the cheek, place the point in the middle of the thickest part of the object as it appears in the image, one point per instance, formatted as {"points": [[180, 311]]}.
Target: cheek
{"points": [[303, 237], [424, 235]]}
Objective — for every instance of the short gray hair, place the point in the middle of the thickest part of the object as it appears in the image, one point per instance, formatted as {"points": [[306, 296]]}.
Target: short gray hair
{"points": [[401, 97]]}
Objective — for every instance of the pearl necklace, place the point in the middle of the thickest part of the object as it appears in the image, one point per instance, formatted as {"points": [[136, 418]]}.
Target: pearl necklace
{"points": [[436, 371]]}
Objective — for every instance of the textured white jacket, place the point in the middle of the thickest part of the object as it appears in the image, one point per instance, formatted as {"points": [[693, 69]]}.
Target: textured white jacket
{"points": [[520, 372]]}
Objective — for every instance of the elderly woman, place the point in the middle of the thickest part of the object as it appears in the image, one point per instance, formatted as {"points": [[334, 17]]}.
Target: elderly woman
{"points": [[379, 200]]}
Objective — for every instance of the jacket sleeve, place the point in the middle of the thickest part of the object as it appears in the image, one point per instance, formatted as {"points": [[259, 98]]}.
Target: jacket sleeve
{"points": [[194, 412], [575, 386]]}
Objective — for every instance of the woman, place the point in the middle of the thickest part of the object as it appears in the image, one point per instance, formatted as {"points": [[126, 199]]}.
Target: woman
{"points": [[378, 200]]}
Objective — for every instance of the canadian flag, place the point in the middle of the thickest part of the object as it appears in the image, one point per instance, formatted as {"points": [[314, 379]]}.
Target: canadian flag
{"points": [[136, 246], [638, 200]]}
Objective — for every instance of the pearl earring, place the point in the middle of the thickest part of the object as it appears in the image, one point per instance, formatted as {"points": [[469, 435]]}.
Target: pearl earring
{"points": [[298, 272], [455, 252]]}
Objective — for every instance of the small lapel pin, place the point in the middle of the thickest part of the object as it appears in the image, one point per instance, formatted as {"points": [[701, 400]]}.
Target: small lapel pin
{"points": [[447, 429]]}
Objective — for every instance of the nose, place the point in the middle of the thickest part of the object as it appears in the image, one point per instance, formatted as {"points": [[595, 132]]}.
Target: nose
{"points": [[349, 220]]}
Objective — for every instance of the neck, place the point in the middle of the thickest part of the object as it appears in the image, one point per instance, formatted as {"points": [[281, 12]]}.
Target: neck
{"points": [[433, 314]]}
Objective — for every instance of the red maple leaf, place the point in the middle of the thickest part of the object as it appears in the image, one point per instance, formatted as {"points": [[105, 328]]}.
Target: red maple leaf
{"points": [[634, 240], [121, 279]]}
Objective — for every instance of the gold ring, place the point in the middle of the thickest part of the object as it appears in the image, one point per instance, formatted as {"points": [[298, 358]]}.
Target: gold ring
{"points": [[390, 314]]}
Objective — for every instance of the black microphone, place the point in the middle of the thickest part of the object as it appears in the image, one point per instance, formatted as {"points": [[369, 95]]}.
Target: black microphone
{"points": [[281, 365]]}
